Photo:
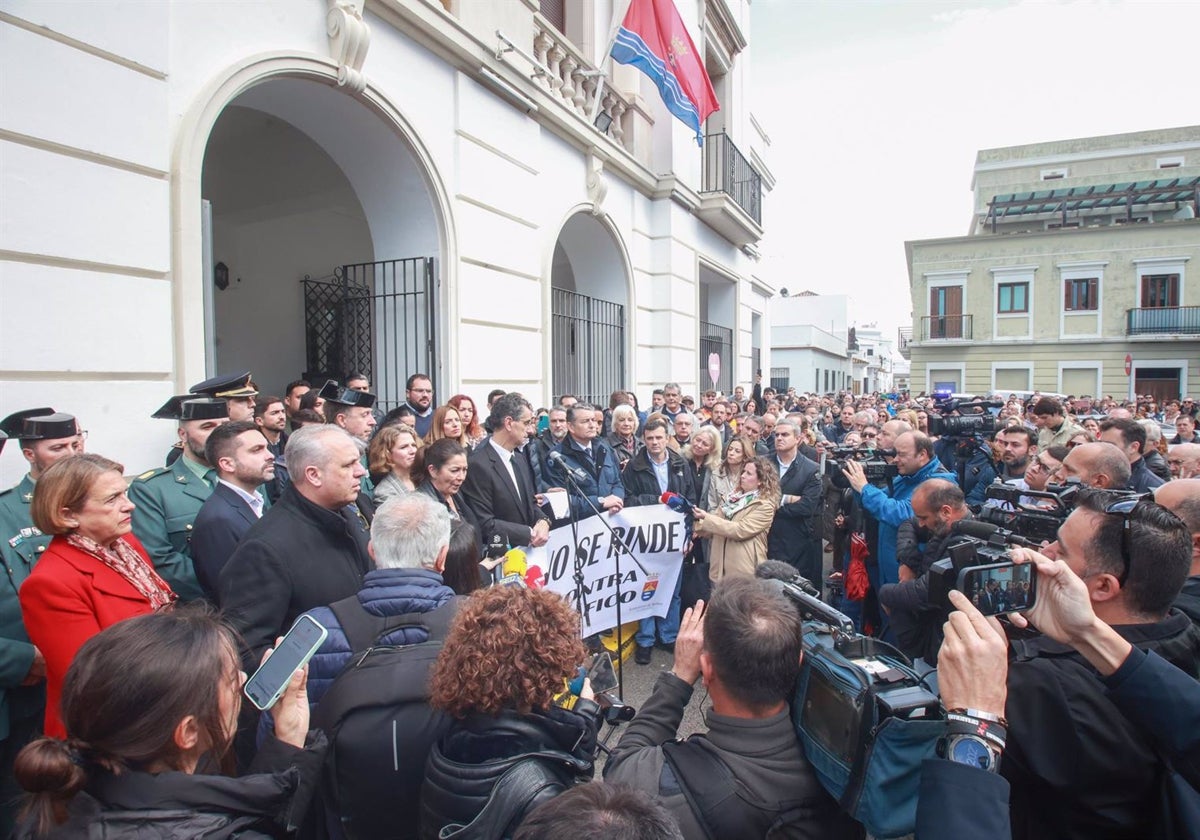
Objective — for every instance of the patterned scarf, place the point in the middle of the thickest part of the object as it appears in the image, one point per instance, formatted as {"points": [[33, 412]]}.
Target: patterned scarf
{"points": [[124, 559], [737, 501]]}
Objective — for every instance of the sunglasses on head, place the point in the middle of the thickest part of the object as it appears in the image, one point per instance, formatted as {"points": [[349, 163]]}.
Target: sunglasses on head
{"points": [[1124, 509]]}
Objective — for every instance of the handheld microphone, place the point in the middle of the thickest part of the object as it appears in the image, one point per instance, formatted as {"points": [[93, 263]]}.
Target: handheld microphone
{"points": [[514, 562], [574, 472], [678, 503]]}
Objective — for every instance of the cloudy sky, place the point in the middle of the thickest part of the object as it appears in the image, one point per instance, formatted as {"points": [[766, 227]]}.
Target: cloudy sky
{"points": [[876, 109]]}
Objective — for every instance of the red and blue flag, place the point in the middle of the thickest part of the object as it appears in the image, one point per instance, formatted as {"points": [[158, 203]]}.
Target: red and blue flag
{"points": [[653, 39]]}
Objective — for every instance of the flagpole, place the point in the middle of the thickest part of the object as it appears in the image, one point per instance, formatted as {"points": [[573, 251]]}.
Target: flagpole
{"points": [[606, 56]]}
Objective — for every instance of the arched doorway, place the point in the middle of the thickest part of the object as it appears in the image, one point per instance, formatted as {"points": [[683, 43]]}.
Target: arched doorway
{"points": [[589, 280], [326, 230]]}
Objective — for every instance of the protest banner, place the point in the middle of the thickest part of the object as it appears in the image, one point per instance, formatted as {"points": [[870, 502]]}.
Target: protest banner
{"points": [[653, 534]]}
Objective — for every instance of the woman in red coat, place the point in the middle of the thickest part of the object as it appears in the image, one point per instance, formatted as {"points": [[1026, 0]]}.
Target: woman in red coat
{"points": [[93, 574]]}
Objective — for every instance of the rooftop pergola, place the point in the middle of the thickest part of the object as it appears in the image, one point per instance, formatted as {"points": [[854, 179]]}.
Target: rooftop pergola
{"points": [[1127, 195]]}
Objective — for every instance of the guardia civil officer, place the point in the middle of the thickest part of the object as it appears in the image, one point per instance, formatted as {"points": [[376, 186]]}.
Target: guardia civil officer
{"points": [[351, 409], [236, 389], [45, 437], [168, 498]]}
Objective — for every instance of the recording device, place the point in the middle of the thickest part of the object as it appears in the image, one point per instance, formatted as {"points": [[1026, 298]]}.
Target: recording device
{"points": [[516, 571], [574, 472], [980, 545], [878, 471], [678, 504], [601, 673], [272, 677], [1033, 514], [1000, 587], [974, 418], [496, 548], [779, 570]]}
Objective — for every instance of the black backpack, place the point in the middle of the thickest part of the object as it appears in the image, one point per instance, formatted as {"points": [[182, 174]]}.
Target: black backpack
{"points": [[380, 724]]}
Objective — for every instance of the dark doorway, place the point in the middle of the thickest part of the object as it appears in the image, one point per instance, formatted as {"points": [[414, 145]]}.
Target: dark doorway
{"points": [[1161, 383]]}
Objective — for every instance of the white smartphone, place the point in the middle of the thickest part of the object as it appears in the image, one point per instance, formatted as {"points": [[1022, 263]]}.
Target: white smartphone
{"points": [[272, 677]]}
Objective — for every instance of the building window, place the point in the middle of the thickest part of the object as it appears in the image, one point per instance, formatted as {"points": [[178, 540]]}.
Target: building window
{"points": [[1053, 174], [1173, 162], [1012, 298], [1160, 290], [555, 13], [1080, 295]]}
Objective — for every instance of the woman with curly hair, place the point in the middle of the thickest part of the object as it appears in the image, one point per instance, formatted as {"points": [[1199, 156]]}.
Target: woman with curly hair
{"points": [[392, 461], [739, 526], [447, 423], [507, 657], [469, 417]]}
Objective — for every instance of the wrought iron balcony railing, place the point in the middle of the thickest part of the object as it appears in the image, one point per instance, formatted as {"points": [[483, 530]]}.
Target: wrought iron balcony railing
{"points": [[939, 327], [1163, 320], [727, 170]]}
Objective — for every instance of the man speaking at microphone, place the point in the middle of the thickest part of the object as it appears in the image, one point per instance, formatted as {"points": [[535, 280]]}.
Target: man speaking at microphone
{"points": [[650, 473], [500, 487]]}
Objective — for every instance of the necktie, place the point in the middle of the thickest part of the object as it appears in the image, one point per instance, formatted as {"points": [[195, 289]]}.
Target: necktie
{"points": [[512, 460]]}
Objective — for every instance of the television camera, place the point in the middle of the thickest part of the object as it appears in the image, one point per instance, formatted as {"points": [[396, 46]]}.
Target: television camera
{"points": [[878, 470]]}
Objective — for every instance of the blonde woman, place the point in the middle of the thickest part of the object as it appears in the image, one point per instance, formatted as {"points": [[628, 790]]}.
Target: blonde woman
{"points": [[739, 527], [704, 453], [392, 457]]}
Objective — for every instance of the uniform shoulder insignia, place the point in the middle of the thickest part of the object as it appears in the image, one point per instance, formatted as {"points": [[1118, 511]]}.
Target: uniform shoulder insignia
{"points": [[7, 490], [151, 473]]}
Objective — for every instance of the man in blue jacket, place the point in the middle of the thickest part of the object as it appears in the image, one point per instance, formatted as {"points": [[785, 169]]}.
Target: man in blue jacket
{"points": [[591, 462], [916, 463]]}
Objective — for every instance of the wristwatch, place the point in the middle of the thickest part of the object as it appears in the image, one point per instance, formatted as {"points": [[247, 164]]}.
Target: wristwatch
{"points": [[972, 750]]}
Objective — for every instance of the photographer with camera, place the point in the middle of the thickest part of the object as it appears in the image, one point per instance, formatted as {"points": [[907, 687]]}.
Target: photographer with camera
{"points": [[916, 463], [748, 773], [1077, 767]]}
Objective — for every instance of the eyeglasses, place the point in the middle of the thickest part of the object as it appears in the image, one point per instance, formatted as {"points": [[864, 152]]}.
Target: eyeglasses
{"points": [[1124, 509]]}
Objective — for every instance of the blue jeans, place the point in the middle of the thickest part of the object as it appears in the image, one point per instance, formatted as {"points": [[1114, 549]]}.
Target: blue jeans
{"points": [[667, 627]]}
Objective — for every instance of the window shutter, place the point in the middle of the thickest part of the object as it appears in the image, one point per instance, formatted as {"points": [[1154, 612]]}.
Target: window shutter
{"points": [[555, 12]]}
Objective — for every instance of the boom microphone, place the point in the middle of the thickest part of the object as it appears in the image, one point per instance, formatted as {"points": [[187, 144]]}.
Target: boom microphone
{"points": [[986, 530], [574, 472], [678, 504], [779, 570]]}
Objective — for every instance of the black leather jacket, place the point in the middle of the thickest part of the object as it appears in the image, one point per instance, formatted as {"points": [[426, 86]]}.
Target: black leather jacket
{"points": [[470, 759]]}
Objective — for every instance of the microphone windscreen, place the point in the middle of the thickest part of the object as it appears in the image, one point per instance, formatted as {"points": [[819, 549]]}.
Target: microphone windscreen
{"points": [[775, 570], [514, 562], [974, 528]]}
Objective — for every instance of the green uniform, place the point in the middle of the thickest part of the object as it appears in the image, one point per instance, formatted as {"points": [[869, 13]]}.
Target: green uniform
{"points": [[167, 501], [20, 546]]}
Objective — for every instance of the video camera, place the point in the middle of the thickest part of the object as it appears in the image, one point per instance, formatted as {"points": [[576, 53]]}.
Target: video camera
{"points": [[974, 419], [878, 471], [981, 544], [1033, 514]]}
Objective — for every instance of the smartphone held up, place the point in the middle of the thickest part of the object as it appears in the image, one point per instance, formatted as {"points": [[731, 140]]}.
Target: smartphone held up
{"points": [[268, 683]]}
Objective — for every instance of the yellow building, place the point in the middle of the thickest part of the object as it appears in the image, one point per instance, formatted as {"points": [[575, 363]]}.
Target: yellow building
{"points": [[1074, 270]]}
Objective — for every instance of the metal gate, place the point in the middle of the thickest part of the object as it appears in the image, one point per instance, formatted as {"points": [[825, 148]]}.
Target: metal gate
{"points": [[719, 340], [372, 312], [588, 339]]}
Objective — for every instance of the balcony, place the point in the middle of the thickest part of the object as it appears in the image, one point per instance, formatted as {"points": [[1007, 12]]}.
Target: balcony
{"points": [[947, 328], [903, 339], [731, 193], [1163, 320]]}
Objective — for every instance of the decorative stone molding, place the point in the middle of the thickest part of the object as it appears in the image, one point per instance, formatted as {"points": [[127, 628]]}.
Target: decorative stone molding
{"points": [[596, 188], [349, 40]]}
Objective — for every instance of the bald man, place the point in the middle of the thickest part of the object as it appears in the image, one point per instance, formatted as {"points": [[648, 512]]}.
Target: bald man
{"points": [[1099, 465], [1184, 460], [1182, 498]]}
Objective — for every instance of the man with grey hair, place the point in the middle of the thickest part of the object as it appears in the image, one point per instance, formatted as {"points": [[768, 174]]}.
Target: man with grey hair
{"points": [[410, 537], [1184, 460], [308, 550], [1155, 462], [682, 426]]}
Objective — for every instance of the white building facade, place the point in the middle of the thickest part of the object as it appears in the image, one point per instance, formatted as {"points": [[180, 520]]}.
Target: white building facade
{"points": [[809, 340], [306, 187]]}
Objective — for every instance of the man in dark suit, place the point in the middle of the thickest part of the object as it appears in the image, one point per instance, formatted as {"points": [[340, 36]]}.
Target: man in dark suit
{"points": [[792, 537], [308, 550], [242, 457], [500, 486]]}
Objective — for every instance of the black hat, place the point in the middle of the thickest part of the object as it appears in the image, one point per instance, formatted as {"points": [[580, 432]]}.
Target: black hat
{"points": [[39, 424], [332, 392], [188, 407], [227, 386]]}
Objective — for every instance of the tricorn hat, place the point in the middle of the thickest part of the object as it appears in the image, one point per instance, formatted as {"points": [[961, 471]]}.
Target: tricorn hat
{"points": [[189, 407], [332, 392], [39, 424]]}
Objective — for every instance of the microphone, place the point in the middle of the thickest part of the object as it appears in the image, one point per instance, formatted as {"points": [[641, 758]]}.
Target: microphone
{"points": [[574, 472], [514, 562], [778, 570], [986, 530], [678, 503]]}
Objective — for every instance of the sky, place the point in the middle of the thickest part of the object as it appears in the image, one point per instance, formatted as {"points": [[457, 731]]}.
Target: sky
{"points": [[876, 109]]}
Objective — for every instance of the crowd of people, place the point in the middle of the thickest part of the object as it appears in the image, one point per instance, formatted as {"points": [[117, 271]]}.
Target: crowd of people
{"points": [[318, 503]]}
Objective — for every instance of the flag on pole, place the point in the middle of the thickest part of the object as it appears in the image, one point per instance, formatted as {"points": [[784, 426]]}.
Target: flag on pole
{"points": [[653, 39]]}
